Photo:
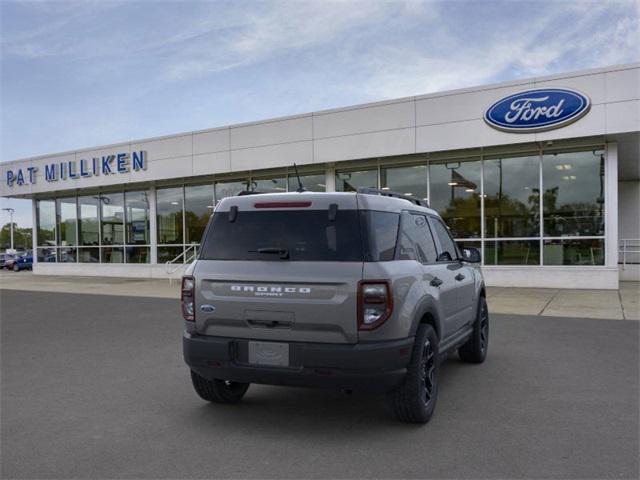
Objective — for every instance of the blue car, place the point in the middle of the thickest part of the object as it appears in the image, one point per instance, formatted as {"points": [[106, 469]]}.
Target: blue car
{"points": [[24, 262]]}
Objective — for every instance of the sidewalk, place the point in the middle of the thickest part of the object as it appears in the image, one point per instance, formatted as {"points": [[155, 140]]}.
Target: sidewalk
{"points": [[623, 304]]}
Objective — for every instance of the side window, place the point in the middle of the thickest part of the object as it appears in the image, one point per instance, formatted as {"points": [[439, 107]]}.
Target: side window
{"points": [[447, 245], [381, 233], [416, 242]]}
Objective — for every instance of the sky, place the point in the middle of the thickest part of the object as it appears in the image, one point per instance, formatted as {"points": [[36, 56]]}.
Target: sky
{"points": [[87, 73]]}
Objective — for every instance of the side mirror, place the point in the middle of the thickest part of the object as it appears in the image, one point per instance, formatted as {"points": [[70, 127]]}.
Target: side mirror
{"points": [[471, 255]]}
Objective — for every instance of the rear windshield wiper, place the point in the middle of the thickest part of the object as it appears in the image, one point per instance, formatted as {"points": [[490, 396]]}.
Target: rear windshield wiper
{"points": [[283, 252]]}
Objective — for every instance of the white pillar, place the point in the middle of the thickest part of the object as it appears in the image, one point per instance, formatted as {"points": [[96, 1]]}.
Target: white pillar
{"points": [[330, 178], [34, 230], [153, 227], [611, 205]]}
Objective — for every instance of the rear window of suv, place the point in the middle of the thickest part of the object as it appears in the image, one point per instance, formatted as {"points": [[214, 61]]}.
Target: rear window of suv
{"points": [[305, 235]]}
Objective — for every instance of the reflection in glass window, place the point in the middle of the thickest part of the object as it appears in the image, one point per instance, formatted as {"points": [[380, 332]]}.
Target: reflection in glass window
{"points": [[410, 181], [351, 181], [512, 252], [88, 220], [311, 183], [229, 189], [573, 199], [198, 207], [448, 249], [512, 197], [574, 252], [112, 205], [89, 255], [46, 217], [67, 255], [137, 218], [112, 255], [47, 254], [455, 195], [166, 254], [137, 254], [169, 207], [67, 213], [270, 185]]}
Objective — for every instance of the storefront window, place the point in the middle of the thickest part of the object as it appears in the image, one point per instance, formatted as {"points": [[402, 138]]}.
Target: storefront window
{"points": [[89, 255], [46, 216], [67, 221], [573, 198], [137, 218], [270, 185], [410, 181], [351, 181], [169, 206], [311, 183], [112, 218], [67, 254], [46, 255], [166, 254], [112, 254], [512, 252], [574, 252], [229, 189], [512, 197], [88, 227], [198, 207], [137, 254], [455, 195]]}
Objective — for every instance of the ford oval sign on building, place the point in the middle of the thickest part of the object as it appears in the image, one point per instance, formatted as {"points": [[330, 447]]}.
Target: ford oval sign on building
{"points": [[537, 110]]}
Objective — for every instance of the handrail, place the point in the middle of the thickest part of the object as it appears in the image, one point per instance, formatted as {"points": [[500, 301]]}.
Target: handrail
{"points": [[628, 245], [185, 259]]}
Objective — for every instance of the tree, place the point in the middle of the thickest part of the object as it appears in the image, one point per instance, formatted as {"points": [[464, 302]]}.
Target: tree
{"points": [[21, 237]]}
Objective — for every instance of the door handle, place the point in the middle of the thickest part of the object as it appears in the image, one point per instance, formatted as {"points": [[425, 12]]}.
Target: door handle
{"points": [[459, 277], [436, 282]]}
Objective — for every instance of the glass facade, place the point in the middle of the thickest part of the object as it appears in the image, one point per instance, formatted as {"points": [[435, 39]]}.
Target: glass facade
{"points": [[534, 208]]}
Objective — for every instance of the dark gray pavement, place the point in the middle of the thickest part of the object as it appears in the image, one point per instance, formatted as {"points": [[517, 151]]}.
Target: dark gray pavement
{"points": [[94, 387]]}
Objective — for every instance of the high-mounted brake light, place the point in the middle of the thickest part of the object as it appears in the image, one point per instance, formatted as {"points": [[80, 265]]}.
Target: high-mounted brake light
{"points": [[282, 204], [375, 303], [187, 300]]}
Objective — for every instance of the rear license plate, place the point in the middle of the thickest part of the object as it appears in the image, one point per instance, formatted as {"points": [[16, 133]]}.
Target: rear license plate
{"points": [[269, 353]]}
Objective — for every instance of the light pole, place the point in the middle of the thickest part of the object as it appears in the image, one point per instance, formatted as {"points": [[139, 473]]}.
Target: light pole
{"points": [[11, 212]]}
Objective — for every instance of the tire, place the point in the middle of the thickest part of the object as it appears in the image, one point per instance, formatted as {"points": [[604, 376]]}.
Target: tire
{"points": [[415, 399], [218, 391], [475, 349], [16, 268]]}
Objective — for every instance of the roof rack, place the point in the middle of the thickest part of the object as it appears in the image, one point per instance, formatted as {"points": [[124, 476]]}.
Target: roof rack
{"points": [[389, 193]]}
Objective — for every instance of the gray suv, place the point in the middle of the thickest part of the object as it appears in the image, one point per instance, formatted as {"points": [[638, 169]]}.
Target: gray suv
{"points": [[355, 291]]}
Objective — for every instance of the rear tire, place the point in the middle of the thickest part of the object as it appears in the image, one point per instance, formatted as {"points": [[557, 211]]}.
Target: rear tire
{"points": [[16, 268], [415, 399], [475, 349], [218, 391]]}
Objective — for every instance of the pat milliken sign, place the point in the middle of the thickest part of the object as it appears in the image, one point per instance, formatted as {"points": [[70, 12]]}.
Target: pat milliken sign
{"points": [[537, 110], [117, 163]]}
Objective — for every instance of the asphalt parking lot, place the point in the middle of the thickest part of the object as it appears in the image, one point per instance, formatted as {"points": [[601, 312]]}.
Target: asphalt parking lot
{"points": [[95, 387]]}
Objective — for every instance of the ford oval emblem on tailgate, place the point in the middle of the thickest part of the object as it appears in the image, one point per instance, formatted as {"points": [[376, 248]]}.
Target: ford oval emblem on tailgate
{"points": [[208, 308]]}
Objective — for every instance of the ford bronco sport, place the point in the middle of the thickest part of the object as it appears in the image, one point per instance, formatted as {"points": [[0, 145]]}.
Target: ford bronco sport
{"points": [[352, 291]]}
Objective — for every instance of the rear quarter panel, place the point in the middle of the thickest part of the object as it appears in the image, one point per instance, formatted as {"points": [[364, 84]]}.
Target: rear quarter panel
{"points": [[408, 297]]}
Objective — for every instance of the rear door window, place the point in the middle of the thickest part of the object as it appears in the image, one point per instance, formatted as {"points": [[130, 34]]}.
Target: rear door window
{"points": [[305, 235], [448, 250]]}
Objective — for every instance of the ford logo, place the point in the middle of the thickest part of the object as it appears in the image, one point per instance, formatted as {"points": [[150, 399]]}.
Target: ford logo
{"points": [[537, 110]]}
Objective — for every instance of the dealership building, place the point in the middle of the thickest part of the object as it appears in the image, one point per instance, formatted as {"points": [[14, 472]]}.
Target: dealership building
{"points": [[541, 174]]}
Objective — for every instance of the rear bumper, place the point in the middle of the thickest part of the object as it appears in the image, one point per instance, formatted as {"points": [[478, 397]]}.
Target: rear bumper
{"points": [[379, 366]]}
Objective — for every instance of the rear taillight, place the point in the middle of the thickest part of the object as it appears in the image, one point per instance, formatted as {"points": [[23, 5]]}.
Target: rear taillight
{"points": [[186, 298], [375, 303]]}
